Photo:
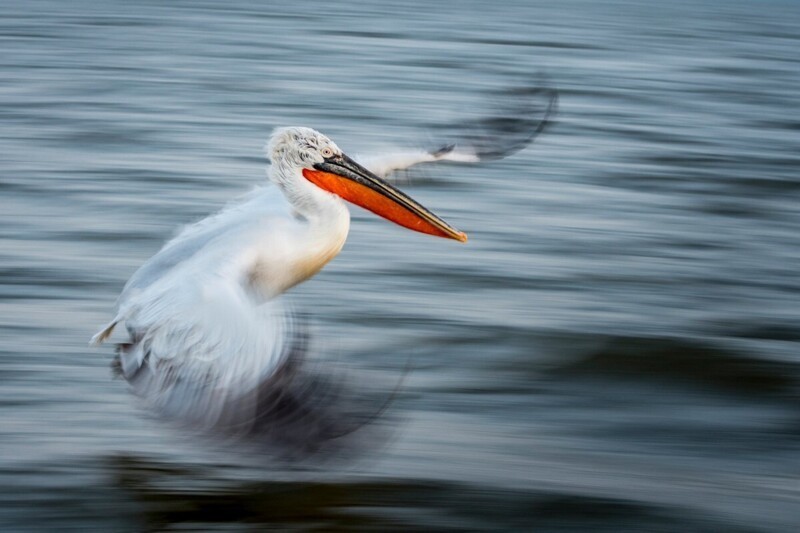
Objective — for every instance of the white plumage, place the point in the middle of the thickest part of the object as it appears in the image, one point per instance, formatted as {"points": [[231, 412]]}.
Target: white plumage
{"points": [[209, 335]]}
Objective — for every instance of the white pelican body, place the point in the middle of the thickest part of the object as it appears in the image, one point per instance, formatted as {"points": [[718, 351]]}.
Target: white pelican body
{"points": [[209, 338], [206, 328]]}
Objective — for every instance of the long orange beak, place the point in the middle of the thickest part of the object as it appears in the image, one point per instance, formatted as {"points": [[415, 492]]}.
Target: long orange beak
{"points": [[346, 178]]}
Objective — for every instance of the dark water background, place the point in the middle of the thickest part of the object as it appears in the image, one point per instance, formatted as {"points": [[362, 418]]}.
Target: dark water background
{"points": [[615, 349]]}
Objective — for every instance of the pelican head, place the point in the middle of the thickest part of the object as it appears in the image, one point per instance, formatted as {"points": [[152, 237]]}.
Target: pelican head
{"points": [[306, 164]]}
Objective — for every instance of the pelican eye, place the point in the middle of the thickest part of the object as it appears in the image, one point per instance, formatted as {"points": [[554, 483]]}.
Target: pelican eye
{"points": [[326, 152]]}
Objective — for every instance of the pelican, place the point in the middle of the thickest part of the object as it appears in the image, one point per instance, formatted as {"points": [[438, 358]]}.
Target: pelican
{"points": [[210, 341]]}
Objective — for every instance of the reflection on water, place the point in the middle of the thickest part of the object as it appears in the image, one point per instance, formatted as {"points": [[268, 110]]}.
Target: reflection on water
{"points": [[614, 349], [171, 497]]}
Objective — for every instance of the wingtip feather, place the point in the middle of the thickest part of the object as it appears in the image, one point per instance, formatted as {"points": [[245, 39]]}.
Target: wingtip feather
{"points": [[103, 334]]}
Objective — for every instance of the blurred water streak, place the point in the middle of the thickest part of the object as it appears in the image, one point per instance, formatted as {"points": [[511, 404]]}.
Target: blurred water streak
{"points": [[616, 347]]}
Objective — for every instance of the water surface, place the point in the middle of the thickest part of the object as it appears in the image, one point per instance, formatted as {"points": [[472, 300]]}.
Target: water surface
{"points": [[615, 349]]}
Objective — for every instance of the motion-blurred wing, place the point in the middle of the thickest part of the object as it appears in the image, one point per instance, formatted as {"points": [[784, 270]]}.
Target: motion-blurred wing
{"points": [[520, 116], [200, 349], [206, 357], [208, 351], [202, 338], [384, 164]]}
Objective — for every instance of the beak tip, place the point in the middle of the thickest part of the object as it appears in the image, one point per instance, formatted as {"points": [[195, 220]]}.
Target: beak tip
{"points": [[461, 237]]}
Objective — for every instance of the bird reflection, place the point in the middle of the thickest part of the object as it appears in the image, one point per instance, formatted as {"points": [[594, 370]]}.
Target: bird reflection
{"points": [[211, 342]]}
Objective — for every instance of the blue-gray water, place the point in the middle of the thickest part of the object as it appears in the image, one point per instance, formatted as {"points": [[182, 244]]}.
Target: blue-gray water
{"points": [[616, 348]]}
